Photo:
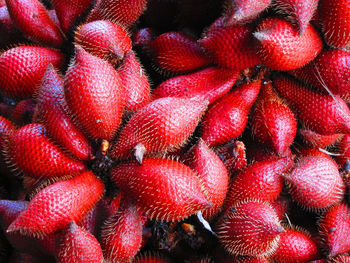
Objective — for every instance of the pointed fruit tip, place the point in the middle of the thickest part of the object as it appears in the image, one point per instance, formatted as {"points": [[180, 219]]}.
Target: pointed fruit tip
{"points": [[139, 151], [261, 35]]}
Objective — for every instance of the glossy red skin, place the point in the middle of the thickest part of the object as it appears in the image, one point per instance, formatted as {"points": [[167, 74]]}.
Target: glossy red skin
{"points": [[318, 140], [121, 234], [68, 11], [273, 122], [317, 112], [163, 189], [344, 258], [150, 259], [233, 155], [5, 127], [241, 11], [135, 81], [260, 179], [122, 12], [295, 247], [330, 67], [334, 21], [344, 150], [251, 260], [104, 39], [58, 204], [161, 125], [93, 88], [59, 125], [281, 205], [280, 47], [77, 245], [36, 155], [9, 211], [212, 173], [8, 30], [315, 183], [210, 83], [230, 46], [143, 38], [177, 53], [23, 67], [300, 12], [334, 227], [309, 151], [33, 20], [23, 112], [226, 118], [251, 228]]}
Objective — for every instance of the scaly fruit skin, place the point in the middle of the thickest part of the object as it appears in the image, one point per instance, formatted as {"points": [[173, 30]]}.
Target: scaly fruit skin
{"points": [[163, 189], [123, 12], [175, 52], [295, 246], [150, 258], [315, 183], [263, 179], [227, 118], [251, 260], [23, 112], [68, 11], [22, 68], [210, 83], [50, 112], [230, 46], [31, 151], [9, 211], [334, 227], [318, 140], [78, 246], [33, 20], [94, 94], [135, 81], [299, 11], [212, 173], [104, 39], [334, 20], [331, 69], [344, 258], [250, 228], [233, 155], [244, 10], [280, 47], [317, 112], [58, 204], [5, 127], [121, 234], [344, 150], [273, 122], [162, 125]]}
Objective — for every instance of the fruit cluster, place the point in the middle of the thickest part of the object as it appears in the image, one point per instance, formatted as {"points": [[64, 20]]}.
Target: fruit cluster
{"points": [[154, 131]]}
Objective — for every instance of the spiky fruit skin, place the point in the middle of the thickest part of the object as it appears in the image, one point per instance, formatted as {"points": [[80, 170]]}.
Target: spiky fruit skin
{"points": [[295, 247], [300, 12], [330, 68], [213, 174], [121, 235], [233, 155], [150, 258], [273, 122], [31, 151], [263, 179], [9, 211], [104, 39], [123, 12], [93, 88], [315, 183], [177, 53], [230, 46], [210, 83], [162, 125], [227, 117], [280, 47], [334, 227], [344, 258], [241, 11], [317, 140], [50, 112], [344, 150], [163, 189], [251, 260], [58, 204], [281, 205], [5, 127], [69, 11], [23, 112], [78, 246], [333, 17], [22, 68], [33, 20], [250, 228], [135, 81], [317, 112]]}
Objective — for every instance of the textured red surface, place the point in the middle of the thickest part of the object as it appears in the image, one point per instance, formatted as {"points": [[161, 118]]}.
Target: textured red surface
{"points": [[58, 204], [22, 68], [163, 189], [280, 47], [234, 155], [344, 150], [245, 10], [318, 140], [150, 258], [94, 94]]}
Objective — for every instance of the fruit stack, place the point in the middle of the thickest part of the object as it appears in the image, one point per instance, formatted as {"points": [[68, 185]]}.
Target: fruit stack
{"points": [[174, 131]]}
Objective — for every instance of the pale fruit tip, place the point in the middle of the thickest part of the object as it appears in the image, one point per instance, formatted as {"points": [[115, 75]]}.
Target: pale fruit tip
{"points": [[72, 226], [261, 35], [139, 151]]}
